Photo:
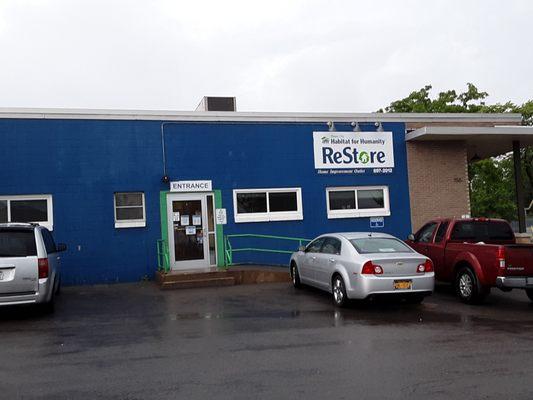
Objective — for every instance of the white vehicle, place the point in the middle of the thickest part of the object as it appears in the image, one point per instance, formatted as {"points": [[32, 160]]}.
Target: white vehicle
{"points": [[360, 265], [29, 265]]}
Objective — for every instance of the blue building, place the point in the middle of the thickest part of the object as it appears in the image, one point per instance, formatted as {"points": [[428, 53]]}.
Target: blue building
{"points": [[113, 184]]}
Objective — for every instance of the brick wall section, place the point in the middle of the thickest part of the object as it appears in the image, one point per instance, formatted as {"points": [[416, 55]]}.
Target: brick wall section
{"points": [[438, 180]]}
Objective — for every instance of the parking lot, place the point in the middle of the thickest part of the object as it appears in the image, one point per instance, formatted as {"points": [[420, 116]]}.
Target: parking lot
{"points": [[133, 341]]}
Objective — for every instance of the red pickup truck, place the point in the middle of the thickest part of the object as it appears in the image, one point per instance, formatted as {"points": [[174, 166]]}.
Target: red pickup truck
{"points": [[476, 254]]}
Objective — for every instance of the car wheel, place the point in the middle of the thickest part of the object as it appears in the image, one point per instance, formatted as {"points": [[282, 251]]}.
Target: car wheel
{"points": [[339, 291], [295, 276], [468, 288], [529, 293], [49, 307]]}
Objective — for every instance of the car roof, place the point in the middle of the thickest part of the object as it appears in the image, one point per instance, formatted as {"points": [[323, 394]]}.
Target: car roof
{"points": [[359, 235]]}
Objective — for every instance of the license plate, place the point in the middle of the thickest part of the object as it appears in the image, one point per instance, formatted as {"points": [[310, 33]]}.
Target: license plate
{"points": [[402, 285]]}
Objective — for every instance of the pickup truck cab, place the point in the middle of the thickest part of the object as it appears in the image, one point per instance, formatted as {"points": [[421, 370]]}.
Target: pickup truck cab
{"points": [[29, 265], [476, 254]]}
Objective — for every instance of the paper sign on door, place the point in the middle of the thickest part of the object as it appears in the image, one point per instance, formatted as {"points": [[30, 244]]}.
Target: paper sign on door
{"points": [[197, 220], [184, 220], [190, 230]]}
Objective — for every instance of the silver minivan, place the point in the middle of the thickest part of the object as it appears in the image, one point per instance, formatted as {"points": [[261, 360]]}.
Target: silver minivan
{"points": [[30, 265]]}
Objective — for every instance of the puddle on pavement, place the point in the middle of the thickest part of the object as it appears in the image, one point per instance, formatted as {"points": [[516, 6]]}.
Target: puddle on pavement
{"points": [[372, 316]]}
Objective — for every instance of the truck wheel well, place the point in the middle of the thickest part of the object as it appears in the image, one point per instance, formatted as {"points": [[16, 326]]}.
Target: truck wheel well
{"points": [[459, 265]]}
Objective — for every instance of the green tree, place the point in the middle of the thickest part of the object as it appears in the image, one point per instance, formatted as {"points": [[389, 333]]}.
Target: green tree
{"points": [[492, 188], [492, 180]]}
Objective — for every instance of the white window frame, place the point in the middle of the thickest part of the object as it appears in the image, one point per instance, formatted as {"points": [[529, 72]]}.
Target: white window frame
{"points": [[356, 212], [269, 216], [129, 223], [49, 224]]}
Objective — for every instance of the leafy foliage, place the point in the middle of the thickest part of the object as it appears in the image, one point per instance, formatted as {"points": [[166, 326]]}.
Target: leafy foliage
{"points": [[492, 180], [492, 188]]}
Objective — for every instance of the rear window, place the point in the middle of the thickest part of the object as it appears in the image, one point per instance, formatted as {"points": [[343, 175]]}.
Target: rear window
{"points": [[380, 245], [482, 231], [17, 243]]}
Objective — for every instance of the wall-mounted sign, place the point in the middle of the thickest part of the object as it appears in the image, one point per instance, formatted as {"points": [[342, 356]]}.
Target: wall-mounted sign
{"points": [[377, 222], [220, 216], [356, 150], [191, 186]]}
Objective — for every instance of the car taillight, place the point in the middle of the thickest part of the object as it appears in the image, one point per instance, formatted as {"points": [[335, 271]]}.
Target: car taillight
{"points": [[500, 256], [43, 268], [426, 267], [369, 268]]}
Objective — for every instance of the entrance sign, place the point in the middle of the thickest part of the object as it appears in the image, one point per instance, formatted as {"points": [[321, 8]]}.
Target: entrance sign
{"points": [[220, 216], [377, 222], [358, 150], [191, 186]]}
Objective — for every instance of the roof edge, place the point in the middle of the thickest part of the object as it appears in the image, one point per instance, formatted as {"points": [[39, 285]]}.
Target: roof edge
{"points": [[239, 116]]}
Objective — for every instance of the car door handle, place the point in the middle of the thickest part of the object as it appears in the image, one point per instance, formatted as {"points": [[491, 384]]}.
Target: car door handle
{"points": [[58, 258], [313, 258], [331, 260]]}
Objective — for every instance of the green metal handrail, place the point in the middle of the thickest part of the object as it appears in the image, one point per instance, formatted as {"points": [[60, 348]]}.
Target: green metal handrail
{"points": [[229, 250], [163, 258]]}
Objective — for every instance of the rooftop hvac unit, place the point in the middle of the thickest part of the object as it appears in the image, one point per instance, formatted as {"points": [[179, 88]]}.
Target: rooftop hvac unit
{"points": [[211, 103]]}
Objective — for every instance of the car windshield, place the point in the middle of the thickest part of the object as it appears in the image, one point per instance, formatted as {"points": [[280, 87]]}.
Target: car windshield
{"points": [[379, 245], [17, 243]]}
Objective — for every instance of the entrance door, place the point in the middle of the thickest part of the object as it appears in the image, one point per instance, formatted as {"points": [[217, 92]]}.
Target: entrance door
{"points": [[190, 231]]}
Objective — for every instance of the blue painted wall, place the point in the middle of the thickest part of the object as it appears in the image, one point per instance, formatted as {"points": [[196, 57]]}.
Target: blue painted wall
{"points": [[83, 162]]}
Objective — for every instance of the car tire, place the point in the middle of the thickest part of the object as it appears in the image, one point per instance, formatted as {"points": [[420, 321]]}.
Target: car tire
{"points": [[295, 276], [338, 289], [49, 306], [529, 293], [468, 288]]}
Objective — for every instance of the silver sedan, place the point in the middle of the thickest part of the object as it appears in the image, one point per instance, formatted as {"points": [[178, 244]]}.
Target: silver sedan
{"points": [[359, 265]]}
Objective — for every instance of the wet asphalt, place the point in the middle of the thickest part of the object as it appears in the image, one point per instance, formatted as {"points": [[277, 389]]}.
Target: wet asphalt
{"points": [[270, 341]]}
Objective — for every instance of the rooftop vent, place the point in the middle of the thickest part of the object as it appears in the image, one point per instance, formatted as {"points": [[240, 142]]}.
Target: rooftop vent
{"points": [[209, 103]]}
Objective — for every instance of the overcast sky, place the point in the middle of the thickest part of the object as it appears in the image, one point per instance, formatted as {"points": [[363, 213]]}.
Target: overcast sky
{"points": [[286, 55]]}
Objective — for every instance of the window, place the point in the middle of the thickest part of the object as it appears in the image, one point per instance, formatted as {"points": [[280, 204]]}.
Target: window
{"points": [[441, 231], [425, 234], [379, 245], [27, 208], [355, 202], [314, 247], [331, 246], [17, 243], [481, 231], [260, 205], [129, 210], [49, 243]]}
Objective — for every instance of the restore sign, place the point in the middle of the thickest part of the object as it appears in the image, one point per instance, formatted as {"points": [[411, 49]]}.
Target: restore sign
{"points": [[353, 150]]}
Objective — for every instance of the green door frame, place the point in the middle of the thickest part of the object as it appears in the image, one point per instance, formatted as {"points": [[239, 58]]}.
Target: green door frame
{"points": [[164, 230]]}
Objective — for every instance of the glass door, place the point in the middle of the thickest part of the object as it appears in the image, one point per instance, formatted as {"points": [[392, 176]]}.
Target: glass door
{"points": [[188, 231]]}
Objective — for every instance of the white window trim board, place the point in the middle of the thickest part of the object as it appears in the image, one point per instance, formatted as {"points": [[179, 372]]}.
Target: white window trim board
{"points": [[129, 223], [49, 224], [359, 213], [269, 216]]}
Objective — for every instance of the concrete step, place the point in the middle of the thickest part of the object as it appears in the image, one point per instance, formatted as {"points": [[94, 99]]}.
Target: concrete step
{"points": [[199, 282], [188, 276], [212, 277]]}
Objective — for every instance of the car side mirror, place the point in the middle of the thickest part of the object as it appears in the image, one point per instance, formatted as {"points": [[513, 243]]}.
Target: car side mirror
{"points": [[301, 248], [61, 247], [411, 237]]}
